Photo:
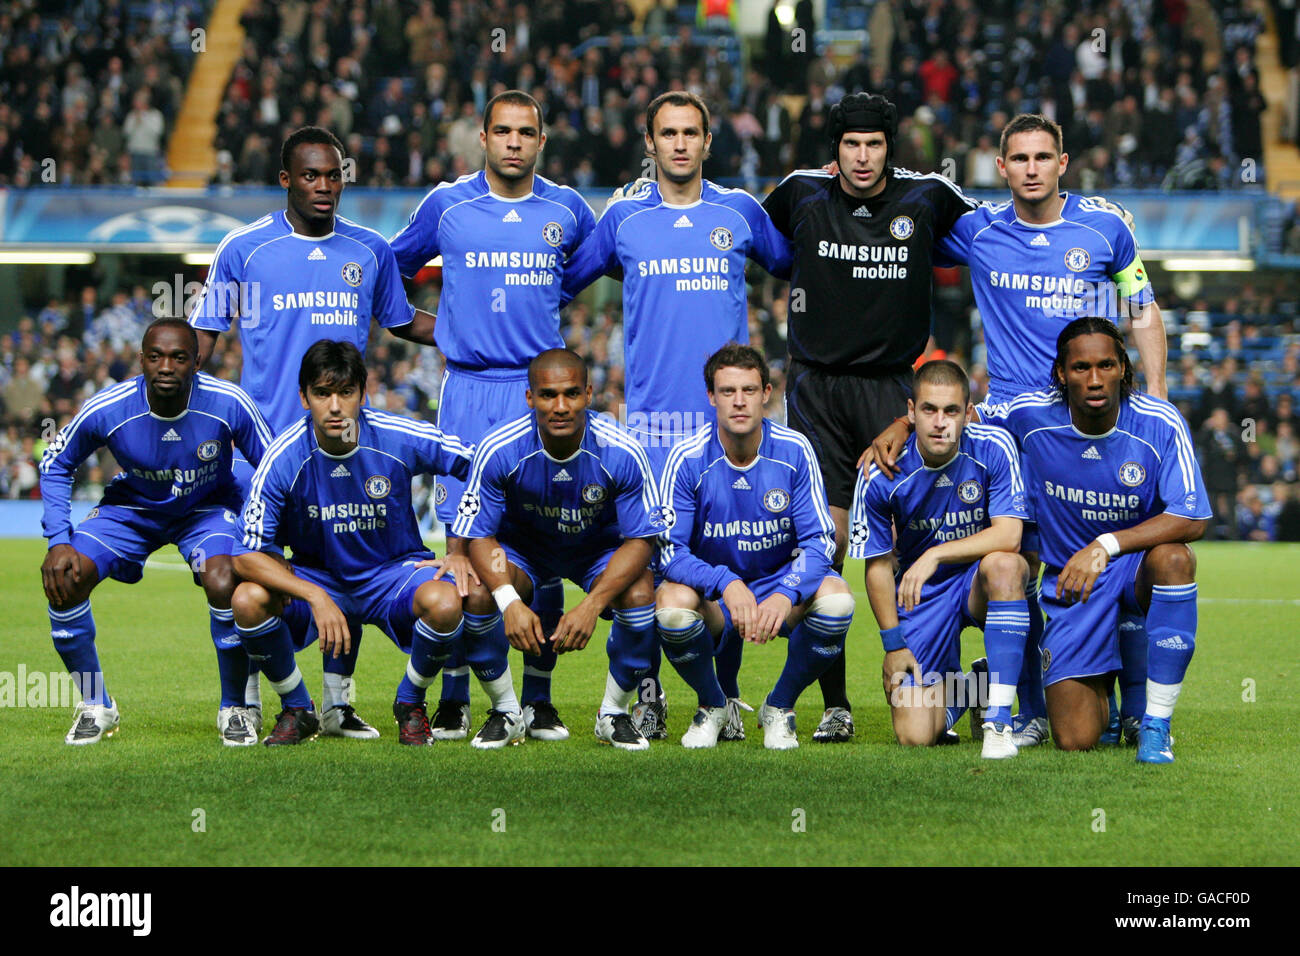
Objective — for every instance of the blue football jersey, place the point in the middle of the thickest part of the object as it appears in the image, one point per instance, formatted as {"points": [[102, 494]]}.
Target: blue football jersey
{"points": [[559, 511], [290, 291], [1031, 281], [502, 263], [683, 272], [1081, 485], [170, 466], [723, 522], [346, 514], [928, 506]]}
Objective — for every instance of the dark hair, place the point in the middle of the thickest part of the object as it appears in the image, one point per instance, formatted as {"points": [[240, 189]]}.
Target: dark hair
{"points": [[556, 358], [675, 98], [515, 97], [173, 321], [1030, 123], [336, 364], [942, 372], [1091, 325], [308, 134], [735, 355]]}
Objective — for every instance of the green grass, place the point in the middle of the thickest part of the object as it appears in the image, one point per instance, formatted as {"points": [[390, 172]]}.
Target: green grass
{"points": [[1229, 800]]}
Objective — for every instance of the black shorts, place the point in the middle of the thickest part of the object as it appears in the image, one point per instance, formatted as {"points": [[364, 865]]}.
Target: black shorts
{"points": [[841, 415]]}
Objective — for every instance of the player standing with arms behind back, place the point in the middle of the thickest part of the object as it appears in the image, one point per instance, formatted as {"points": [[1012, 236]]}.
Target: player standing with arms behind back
{"points": [[504, 234], [294, 278], [680, 245], [860, 303]]}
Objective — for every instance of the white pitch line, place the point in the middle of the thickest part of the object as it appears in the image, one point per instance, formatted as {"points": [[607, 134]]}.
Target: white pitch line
{"points": [[1214, 600]]}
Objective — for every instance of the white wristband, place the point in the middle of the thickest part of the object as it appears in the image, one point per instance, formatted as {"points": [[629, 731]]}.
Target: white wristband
{"points": [[505, 596], [1109, 544]]}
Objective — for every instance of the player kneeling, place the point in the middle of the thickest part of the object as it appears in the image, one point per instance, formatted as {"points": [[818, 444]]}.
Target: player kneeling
{"points": [[958, 505], [564, 493], [176, 486], [1118, 495], [336, 488], [746, 552]]}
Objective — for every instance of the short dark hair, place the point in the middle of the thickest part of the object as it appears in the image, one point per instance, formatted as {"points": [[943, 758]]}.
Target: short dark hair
{"points": [[942, 372], [335, 363], [516, 98], [556, 358], [308, 134], [1091, 325], [1030, 123], [173, 321], [675, 98], [735, 355]]}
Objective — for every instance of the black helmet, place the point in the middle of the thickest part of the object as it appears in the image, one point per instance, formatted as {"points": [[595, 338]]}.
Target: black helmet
{"points": [[864, 113]]}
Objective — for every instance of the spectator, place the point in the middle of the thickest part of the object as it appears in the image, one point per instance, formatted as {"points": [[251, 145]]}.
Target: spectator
{"points": [[143, 132], [1220, 454]]}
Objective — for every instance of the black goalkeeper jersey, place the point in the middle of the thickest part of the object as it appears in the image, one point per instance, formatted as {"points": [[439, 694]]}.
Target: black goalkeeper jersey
{"points": [[860, 289]]}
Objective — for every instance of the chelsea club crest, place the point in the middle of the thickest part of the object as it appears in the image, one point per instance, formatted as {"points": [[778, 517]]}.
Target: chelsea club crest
{"points": [[439, 493], [377, 486], [352, 274], [902, 227], [721, 238], [1076, 260], [776, 500], [209, 450], [553, 233], [593, 494], [969, 491], [1132, 474]]}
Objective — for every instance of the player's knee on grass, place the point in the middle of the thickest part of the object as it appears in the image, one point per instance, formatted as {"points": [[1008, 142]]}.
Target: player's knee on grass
{"points": [[251, 603], [676, 618], [1003, 575], [438, 605], [1171, 564], [219, 580], [915, 724], [639, 593], [833, 599], [671, 595], [1078, 711]]}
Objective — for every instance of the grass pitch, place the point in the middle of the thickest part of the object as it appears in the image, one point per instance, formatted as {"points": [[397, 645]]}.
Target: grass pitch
{"points": [[164, 791]]}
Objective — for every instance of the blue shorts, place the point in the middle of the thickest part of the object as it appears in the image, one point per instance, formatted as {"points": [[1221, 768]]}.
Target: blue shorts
{"points": [[386, 599], [1082, 640], [470, 404], [933, 628], [119, 539], [540, 571]]}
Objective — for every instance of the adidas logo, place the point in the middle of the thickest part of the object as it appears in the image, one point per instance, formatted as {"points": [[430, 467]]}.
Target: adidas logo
{"points": [[316, 255], [1092, 454], [511, 216], [562, 475], [340, 472], [171, 435], [683, 222], [741, 483], [943, 482], [1173, 643], [861, 213], [1040, 240]]}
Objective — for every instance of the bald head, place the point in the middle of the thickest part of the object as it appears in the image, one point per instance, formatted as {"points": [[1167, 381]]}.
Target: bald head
{"points": [[560, 360]]}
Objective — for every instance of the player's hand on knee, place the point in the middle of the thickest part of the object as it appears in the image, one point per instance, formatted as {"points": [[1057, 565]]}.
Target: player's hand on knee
{"points": [[740, 603], [575, 629], [1076, 580], [897, 665], [331, 625], [771, 614], [60, 573], [883, 452], [523, 628], [458, 566]]}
